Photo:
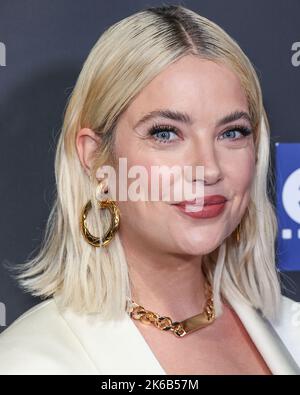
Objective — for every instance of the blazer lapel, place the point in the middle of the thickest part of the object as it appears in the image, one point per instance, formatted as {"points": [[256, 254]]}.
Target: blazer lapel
{"points": [[266, 339], [115, 347]]}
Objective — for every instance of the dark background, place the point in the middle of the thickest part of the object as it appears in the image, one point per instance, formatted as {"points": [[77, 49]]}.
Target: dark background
{"points": [[46, 45]]}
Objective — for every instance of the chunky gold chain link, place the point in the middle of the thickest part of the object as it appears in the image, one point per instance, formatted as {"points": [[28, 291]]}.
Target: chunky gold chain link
{"points": [[179, 329]]}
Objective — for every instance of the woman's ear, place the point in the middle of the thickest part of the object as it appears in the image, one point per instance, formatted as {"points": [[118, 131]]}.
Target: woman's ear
{"points": [[87, 142]]}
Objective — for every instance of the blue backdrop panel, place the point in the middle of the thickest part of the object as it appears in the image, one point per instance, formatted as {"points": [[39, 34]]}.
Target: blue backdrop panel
{"points": [[288, 205]]}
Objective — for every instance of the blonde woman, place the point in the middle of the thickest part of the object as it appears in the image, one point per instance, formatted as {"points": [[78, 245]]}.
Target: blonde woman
{"points": [[186, 286]]}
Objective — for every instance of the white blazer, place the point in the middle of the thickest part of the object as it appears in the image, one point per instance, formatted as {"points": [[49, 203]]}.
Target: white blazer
{"points": [[45, 340]]}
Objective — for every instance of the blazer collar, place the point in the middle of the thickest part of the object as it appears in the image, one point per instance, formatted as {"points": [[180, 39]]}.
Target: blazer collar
{"points": [[130, 353]]}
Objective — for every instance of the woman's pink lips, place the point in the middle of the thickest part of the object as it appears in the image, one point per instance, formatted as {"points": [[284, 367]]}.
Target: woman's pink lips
{"points": [[207, 211], [208, 199]]}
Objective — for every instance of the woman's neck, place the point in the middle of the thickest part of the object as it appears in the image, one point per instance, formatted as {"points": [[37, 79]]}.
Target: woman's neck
{"points": [[170, 285]]}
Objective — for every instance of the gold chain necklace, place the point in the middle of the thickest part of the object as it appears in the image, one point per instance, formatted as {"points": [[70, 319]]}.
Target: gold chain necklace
{"points": [[179, 329]]}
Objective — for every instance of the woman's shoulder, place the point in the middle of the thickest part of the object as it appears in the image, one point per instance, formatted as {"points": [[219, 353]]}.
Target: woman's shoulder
{"points": [[288, 320], [287, 326], [36, 312], [289, 314], [40, 342]]}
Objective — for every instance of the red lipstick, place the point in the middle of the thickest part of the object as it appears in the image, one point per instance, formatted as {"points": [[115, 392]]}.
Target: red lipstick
{"points": [[213, 205]]}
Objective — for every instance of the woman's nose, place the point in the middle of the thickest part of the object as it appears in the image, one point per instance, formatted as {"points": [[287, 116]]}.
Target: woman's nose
{"points": [[204, 154]]}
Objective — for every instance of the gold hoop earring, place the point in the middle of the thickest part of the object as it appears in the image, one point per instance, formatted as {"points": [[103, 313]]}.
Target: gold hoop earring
{"points": [[114, 225]]}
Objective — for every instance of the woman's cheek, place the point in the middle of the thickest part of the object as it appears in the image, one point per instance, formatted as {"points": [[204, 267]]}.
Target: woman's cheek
{"points": [[241, 182]]}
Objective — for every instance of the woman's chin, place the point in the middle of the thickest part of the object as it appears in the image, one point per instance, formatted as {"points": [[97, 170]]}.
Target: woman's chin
{"points": [[200, 247]]}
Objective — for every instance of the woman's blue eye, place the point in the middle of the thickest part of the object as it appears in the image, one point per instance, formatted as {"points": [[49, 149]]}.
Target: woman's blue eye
{"points": [[232, 133], [164, 134]]}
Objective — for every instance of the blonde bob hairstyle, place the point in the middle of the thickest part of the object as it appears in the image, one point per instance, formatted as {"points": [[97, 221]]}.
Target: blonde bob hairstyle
{"points": [[126, 57]]}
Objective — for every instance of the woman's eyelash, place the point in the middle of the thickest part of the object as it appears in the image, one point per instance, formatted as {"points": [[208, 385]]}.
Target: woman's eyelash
{"points": [[155, 129], [244, 130], [160, 129]]}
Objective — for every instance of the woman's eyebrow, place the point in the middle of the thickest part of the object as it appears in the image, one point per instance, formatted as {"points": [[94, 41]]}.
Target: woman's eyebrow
{"points": [[185, 117], [234, 116], [168, 114]]}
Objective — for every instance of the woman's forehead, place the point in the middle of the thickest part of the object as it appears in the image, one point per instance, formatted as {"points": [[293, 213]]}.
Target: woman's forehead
{"points": [[194, 86]]}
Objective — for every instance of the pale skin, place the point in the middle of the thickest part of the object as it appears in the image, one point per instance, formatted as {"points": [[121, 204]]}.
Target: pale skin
{"points": [[165, 263]]}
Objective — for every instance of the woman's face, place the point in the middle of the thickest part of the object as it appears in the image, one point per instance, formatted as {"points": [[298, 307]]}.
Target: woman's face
{"points": [[207, 92]]}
